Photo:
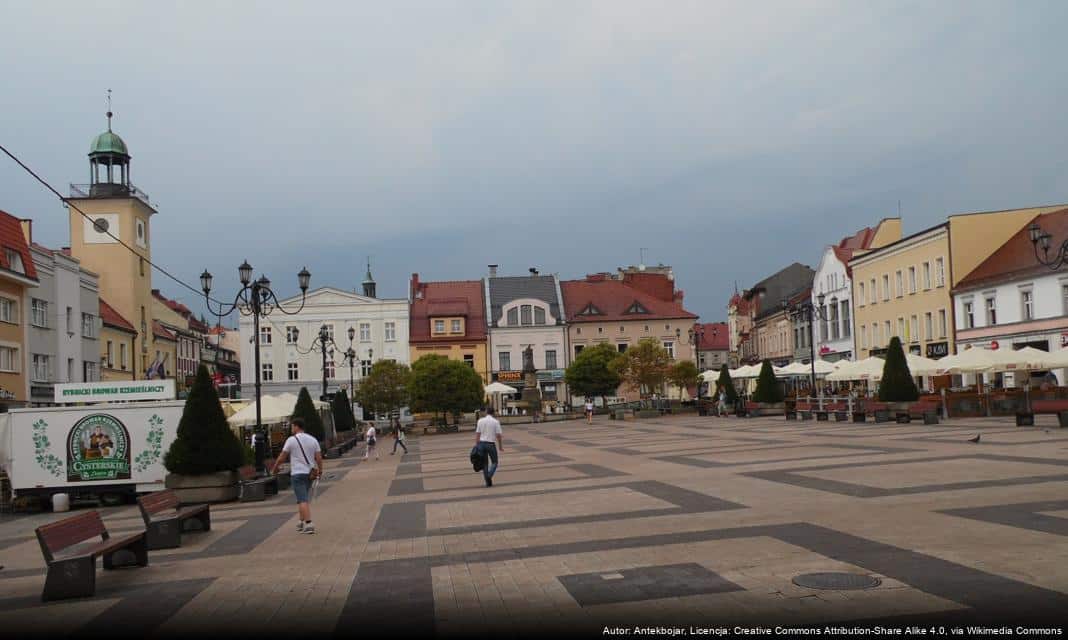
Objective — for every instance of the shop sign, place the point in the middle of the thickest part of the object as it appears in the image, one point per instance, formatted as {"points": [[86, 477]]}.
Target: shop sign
{"points": [[914, 349], [509, 376], [937, 349], [115, 391], [6, 395], [550, 374], [98, 448], [994, 345]]}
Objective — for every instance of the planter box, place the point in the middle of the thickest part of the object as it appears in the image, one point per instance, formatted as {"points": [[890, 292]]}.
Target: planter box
{"points": [[647, 413], [212, 487], [768, 409]]}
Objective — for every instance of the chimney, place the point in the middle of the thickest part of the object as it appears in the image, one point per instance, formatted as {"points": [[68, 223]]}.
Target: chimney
{"points": [[493, 271], [414, 287], [27, 229], [533, 271]]}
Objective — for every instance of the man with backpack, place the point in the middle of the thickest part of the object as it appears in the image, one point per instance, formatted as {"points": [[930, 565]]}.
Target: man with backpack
{"points": [[301, 449]]}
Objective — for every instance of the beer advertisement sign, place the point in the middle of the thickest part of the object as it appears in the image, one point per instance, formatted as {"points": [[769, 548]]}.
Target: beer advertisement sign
{"points": [[98, 448]]}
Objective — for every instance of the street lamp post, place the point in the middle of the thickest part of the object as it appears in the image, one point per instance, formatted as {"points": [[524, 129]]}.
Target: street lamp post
{"points": [[350, 355], [323, 343], [256, 299], [807, 311], [1044, 239]]}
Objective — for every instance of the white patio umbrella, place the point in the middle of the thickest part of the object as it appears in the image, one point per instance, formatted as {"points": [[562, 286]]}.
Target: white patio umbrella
{"points": [[1026, 359], [823, 367], [710, 375], [498, 387], [748, 371], [974, 360], [921, 366], [1058, 359], [792, 369], [870, 368], [272, 409]]}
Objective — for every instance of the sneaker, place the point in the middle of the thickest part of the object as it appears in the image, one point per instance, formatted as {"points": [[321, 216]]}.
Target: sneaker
{"points": [[489, 482], [308, 528], [300, 526]]}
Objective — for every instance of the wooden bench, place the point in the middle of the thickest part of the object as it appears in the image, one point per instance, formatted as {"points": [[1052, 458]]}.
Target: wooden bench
{"points": [[70, 552], [253, 488], [165, 520], [926, 410], [1059, 407]]}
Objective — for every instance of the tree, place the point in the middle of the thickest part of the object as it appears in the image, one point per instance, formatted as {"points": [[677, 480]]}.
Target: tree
{"points": [[440, 385], [305, 409], [726, 384], [590, 373], [644, 366], [385, 389], [344, 420], [897, 384], [204, 442], [684, 374], [768, 389]]}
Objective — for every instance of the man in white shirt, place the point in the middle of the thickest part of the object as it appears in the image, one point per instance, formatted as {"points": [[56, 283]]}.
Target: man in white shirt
{"points": [[487, 440], [304, 454]]}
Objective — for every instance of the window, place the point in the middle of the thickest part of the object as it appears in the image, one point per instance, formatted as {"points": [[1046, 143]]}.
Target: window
{"points": [[836, 331], [847, 329], [888, 331], [91, 373], [621, 347], [123, 363], [550, 359], [670, 346], [265, 335], [14, 260], [1064, 298], [39, 313], [291, 337], [365, 368], [524, 315], [293, 371], [928, 326], [991, 311], [875, 334], [969, 315], [329, 331], [88, 325], [267, 372], [863, 337], [504, 361], [331, 371], [9, 359], [900, 284], [109, 360], [469, 360], [823, 323], [1027, 300], [941, 323], [70, 320], [513, 316], [578, 349], [940, 272], [912, 279], [901, 329], [874, 295], [539, 318], [439, 327], [141, 266], [365, 330], [886, 287], [914, 329], [9, 311], [457, 326], [860, 293], [41, 368], [926, 275], [391, 330]]}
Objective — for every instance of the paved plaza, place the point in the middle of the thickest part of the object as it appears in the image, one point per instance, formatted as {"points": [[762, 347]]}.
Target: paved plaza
{"points": [[670, 522]]}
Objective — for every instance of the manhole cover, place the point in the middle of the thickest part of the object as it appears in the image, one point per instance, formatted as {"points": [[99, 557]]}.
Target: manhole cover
{"points": [[837, 581]]}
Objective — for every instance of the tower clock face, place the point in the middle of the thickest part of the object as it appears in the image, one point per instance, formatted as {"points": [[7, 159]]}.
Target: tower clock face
{"points": [[100, 225], [142, 233], [101, 228]]}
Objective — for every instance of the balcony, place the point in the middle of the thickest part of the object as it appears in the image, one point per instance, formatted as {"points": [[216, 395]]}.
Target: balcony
{"points": [[108, 190]]}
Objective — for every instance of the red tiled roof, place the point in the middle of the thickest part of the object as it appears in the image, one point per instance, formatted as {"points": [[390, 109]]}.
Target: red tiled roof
{"points": [[160, 331], [451, 298], [655, 284], [859, 240], [11, 237], [739, 302], [715, 337], [113, 319], [613, 298], [1016, 258]]}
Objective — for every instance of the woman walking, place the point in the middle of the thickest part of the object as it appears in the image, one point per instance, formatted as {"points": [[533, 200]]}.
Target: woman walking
{"points": [[371, 441], [398, 438]]}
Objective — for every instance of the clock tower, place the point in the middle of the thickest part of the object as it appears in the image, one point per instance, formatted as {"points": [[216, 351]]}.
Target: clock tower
{"points": [[110, 235]]}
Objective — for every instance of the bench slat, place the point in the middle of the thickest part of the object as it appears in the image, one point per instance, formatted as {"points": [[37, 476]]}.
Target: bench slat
{"points": [[101, 548], [71, 531]]}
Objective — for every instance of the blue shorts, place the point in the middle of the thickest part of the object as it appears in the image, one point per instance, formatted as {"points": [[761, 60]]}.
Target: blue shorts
{"points": [[301, 484]]}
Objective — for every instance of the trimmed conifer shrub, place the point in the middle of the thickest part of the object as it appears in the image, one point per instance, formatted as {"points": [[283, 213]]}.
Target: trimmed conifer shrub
{"points": [[204, 442], [727, 385], [767, 390], [897, 384], [344, 420], [313, 422]]}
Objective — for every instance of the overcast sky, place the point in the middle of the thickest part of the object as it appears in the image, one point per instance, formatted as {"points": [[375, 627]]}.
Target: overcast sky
{"points": [[729, 139]]}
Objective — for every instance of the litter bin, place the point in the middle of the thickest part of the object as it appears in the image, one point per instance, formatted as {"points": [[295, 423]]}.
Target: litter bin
{"points": [[60, 502], [621, 414]]}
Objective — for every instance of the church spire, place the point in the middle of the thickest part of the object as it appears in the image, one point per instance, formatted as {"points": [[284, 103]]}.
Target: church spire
{"points": [[368, 281]]}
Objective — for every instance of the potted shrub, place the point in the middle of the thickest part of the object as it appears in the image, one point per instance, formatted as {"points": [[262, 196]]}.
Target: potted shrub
{"points": [[203, 459], [726, 384], [305, 408], [897, 387], [768, 395]]}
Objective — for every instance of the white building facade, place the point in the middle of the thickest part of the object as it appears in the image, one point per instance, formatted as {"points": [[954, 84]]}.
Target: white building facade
{"points": [[288, 360], [833, 330]]}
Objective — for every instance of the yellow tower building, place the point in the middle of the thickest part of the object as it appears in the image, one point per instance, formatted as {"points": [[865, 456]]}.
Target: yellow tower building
{"points": [[112, 238]]}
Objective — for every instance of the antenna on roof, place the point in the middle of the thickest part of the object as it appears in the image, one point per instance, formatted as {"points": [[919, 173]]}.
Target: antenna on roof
{"points": [[641, 261], [109, 110], [899, 208]]}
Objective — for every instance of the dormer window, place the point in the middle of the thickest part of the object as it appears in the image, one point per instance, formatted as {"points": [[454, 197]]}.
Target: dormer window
{"points": [[14, 260], [634, 308], [513, 316], [525, 315], [539, 317], [590, 310]]}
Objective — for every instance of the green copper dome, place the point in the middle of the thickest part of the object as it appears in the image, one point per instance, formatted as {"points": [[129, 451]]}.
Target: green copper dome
{"points": [[108, 142]]}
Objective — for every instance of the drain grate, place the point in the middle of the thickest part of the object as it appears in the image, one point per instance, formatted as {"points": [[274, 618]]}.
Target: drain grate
{"points": [[836, 581]]}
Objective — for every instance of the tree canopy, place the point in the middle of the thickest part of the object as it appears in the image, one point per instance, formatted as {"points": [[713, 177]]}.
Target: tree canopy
{"points": [[385, 389], [204, 442], [305, 409], [644, 366], [726, 384], [684, 374], [440, 385], [897, 384], [768, 389], [590, 374]]}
